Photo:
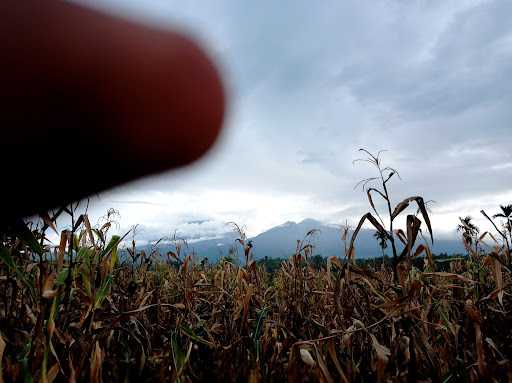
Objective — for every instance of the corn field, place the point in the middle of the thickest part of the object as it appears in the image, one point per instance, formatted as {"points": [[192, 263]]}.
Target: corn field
{"points": [[95, 308]]}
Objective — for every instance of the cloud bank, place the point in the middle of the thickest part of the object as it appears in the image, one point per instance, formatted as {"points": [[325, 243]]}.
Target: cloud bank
{"points": [[309, 84]]}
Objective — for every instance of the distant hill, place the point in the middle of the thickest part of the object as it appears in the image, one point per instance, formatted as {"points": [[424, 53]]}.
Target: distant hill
{"points": [[280, 241]]}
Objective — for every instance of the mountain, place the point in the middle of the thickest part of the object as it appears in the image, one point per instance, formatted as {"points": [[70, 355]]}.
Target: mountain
{"points": [[281, 241]]}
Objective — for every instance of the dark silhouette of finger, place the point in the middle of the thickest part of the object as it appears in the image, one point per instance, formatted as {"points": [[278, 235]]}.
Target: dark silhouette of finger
{"points": [[89, 101]]}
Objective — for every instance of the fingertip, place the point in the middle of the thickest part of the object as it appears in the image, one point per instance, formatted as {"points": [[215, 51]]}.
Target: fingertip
{"points": [[108, 97], [160, 93], [172, 111]]}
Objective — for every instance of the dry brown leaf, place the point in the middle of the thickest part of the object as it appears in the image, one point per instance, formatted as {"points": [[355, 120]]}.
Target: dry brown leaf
{"points": [[472, 311], [328, 270], [306, 357], [422, 208], [30, 314], [382, 353], [498, 275], [48, 221], [72, 373], [48, 292], [373, 221], [370, 199], [254, 376], [52, 373], [96, 362], [404, 347], [64, 240], [323, 367], [344, 233], [444, 274], [88, 229], [2, 349], [401, 236], [480, 350], [217, 328], [334, 358]]}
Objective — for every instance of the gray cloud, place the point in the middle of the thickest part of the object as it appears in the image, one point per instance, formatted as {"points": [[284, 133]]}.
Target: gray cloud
{"points": [[467, 66], [309, 84]]}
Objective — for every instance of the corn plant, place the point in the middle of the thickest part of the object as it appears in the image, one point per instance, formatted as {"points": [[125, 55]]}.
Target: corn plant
{"points": [[94, 306]]}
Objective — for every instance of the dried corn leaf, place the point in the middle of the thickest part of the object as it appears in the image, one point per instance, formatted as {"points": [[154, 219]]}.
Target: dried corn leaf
{"points": [[373, 221], [323, 367], [334, 358], [306, 357], [2, 349], [421, 207], [382, 353], [52, 373], [96, 362]]}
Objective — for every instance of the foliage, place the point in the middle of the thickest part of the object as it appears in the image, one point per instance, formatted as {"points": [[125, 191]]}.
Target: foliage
{"points": [[77, 311]]}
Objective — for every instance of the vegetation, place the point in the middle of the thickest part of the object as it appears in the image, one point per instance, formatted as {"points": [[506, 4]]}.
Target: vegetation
{"points": [[78, 311]]}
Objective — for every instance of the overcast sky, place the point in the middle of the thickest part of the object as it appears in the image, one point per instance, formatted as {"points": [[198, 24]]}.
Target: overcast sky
{"points": [[311, 82]]}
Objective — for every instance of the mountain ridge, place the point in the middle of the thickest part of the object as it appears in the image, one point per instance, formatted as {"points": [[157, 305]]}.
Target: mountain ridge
{"points": [[280, 242]]}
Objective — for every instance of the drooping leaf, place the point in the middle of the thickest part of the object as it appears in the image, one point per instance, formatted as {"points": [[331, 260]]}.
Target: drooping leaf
{"points": [[401, 236], [400, 207], [48, 221], [114, 241], [373, 221], [27, 237], [88, 228], [370, 199], [413, 227]]}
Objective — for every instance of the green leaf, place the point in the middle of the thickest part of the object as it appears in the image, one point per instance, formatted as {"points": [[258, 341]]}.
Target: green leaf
{"points": [[61, 278], [6, 258], [190, 333], [86, 283], [27, 237], [85, 254], [76, 241], [178, 355], [113, 260], [261, 317], [25, 369], [102, 292], [113, 243]]}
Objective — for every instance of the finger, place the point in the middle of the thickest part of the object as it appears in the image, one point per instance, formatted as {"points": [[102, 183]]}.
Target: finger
{"points": [[89, 101]]}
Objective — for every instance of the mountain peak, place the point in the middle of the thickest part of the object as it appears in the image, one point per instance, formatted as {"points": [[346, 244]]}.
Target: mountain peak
{"points": [[310, 222]]}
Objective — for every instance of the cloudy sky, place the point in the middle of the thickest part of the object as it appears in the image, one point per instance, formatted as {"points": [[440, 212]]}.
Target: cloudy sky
{"points": [[308, 85]]}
